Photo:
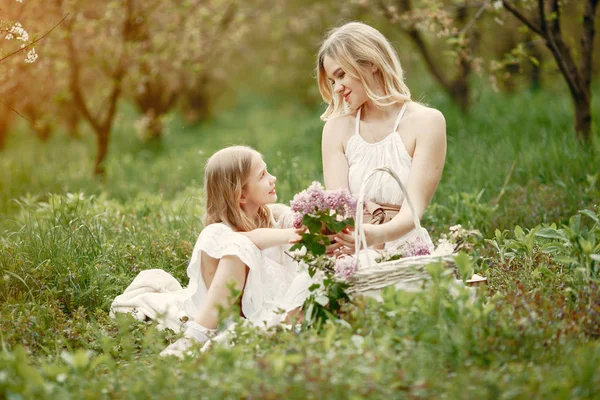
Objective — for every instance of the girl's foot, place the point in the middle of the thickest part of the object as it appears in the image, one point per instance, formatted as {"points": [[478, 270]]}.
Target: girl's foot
{"points": [[194, 334]]}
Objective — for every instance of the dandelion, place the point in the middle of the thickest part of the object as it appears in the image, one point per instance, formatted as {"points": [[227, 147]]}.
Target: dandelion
{"points": [[346, 266]]}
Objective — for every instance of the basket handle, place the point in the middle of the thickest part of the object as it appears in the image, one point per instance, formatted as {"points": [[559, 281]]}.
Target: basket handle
{"points": [[359, 237]]}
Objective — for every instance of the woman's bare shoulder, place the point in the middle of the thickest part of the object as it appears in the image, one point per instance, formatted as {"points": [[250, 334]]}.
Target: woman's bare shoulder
{"points": [[427, 119], [339, 127]]}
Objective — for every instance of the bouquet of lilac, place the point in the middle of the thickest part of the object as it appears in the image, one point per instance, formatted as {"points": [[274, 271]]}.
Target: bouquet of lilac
{"points": [[324, 212]]}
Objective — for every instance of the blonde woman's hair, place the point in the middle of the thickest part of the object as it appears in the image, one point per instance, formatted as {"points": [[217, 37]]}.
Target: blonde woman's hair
{"points": [[355, 45], [226, 174]]}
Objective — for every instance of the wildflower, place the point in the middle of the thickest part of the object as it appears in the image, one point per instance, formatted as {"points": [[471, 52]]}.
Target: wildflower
{"points": [[417, 247], [309, 200], [31, 56], [316, 199], [346, 266], [298, 220], [17, 32]]}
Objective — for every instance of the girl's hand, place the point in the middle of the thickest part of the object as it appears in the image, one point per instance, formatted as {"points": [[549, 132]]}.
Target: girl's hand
{"points": [[293, 235]]}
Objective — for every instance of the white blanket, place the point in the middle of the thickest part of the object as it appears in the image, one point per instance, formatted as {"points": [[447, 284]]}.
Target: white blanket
{"points": [[154, 294]]}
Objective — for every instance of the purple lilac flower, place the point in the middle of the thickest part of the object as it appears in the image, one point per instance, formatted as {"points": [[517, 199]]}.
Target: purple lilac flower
{"points": [[346, 266], [309, 200], [298, 220], [341, 201], [315, 198], [417, 247]]}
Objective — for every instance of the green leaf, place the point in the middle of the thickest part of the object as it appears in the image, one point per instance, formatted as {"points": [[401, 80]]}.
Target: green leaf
{"points": [[591, 214], [313, 224], [595, 257], [322, 300], [550, 233], [296, 246], [314, 287], [566, 260], [519, 234], [553, 248], [464, 264]]}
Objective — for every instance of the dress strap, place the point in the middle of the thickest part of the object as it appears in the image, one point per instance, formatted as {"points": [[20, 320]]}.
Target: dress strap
{"points": [[400, 114], [358, 121]]}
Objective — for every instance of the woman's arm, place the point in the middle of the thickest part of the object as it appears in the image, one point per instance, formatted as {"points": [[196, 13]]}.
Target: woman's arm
{"points": [[335, 164], [263, 238], [426, 170]]}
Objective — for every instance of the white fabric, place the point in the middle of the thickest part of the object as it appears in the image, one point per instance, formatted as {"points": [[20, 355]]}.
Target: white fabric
{"points": [[363, 157], [274, 286]]}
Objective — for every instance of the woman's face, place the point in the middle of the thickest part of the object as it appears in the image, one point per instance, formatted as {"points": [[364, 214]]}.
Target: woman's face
{"points": [[349, 89], [260, 188]]}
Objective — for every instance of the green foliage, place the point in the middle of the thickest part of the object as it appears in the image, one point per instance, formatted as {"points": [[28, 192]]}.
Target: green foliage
{"points": [[329, 295], [532, 334], [575, 245]]}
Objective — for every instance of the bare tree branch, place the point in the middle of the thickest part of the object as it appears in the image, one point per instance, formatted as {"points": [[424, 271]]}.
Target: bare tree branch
{"points": [[78, 98], [521, 17], [477, 15], [19, 114]]}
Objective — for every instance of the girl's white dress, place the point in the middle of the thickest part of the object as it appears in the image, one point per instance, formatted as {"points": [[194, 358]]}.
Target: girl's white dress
{"points": [[363, 157], [275, 284]]}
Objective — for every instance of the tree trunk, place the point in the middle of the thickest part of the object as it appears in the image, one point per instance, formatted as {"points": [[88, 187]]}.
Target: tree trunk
{"points": [[3, 134], [155, 128], [102, 142], [460, 93], [535, 75], [583, 117], [72, 122], [42, 130]]}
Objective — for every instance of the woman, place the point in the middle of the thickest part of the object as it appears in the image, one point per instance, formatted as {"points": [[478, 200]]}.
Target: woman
{"points": [[371, 121]]}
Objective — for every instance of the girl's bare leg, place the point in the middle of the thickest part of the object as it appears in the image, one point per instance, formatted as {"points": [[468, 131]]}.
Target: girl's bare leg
{"points": [[295, 316], [230, 272]]}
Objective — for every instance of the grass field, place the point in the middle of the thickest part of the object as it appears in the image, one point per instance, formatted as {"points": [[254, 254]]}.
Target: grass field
{"points": [[70, 243]]}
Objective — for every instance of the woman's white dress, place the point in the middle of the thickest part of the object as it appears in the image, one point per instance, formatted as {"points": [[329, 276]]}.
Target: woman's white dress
{"points": [[363, 157], [275, 284]]}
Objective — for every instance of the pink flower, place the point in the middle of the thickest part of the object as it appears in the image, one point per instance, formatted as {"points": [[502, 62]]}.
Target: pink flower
{"points": [[417, 247], [346, 266], [316, 199], [298, 220], [309, 200]]}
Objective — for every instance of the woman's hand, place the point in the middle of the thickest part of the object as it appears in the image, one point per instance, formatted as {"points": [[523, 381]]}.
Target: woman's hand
{"points": [[346, 238]]}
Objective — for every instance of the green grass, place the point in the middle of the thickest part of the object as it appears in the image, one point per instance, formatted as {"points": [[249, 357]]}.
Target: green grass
{"points": [[70, 244]]}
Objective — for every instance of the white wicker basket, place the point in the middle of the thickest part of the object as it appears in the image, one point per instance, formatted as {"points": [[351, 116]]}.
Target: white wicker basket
{"points": [[373, 276]]}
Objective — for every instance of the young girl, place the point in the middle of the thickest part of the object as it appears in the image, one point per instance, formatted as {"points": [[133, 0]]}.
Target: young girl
{"points": [[372, 122], [241, 247]]}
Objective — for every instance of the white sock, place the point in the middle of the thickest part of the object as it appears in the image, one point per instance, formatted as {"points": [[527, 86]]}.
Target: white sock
{"points": [[199, 332]]}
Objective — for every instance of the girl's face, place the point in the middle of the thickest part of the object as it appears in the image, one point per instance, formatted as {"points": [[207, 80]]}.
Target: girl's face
{"points": [[260, 188], [349, 89]]}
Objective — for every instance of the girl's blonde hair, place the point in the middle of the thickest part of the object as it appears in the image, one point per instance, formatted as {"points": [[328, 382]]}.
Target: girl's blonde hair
{"points": [[355, 45], [226, 174]]}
